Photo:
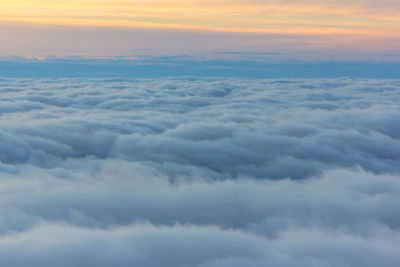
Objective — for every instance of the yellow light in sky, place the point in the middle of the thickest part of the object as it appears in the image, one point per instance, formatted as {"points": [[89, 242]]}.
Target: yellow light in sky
{"points": [[276, 16]]}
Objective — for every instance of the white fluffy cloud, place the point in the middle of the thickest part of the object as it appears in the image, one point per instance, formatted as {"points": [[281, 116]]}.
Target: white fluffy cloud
{"points": [[199, 172]]}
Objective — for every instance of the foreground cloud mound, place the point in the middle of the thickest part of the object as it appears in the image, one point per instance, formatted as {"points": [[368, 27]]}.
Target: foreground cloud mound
{"points": [[199, 172]]}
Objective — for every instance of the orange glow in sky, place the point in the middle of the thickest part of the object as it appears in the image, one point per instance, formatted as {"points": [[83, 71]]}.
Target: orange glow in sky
{"points": [[304, 17], [357, 19]]}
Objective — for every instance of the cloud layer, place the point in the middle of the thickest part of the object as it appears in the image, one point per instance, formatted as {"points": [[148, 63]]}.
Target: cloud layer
{"points": [[199, 172]]}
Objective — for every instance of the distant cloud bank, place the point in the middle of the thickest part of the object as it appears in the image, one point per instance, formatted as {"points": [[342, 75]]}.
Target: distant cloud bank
{"points": [[229, 64], [199, 172]]}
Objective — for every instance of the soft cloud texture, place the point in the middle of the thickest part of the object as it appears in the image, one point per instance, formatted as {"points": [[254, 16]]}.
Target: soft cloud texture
{"points": [[199, 172]]}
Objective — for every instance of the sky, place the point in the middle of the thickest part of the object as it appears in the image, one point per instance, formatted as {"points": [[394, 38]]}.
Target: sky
{"points": [[200, 133], [301, 29]]}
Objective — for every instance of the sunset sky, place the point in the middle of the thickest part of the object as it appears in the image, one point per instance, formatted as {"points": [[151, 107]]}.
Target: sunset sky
{"points": [[199, 133], [327, 29]]}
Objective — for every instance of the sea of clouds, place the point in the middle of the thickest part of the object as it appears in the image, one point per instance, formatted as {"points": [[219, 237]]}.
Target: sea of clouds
{"points": [[199, 172]]}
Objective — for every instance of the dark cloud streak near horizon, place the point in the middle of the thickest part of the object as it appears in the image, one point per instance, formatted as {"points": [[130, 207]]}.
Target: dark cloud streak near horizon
{"points": [[245, 65]]}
